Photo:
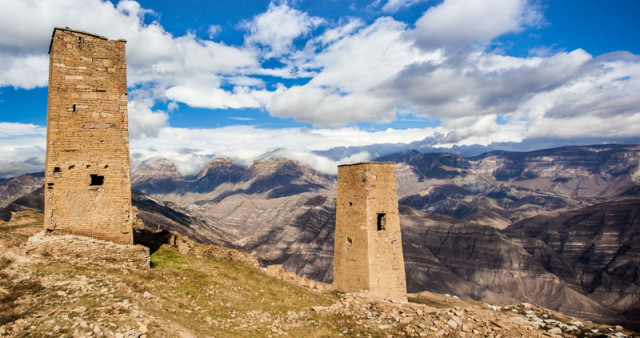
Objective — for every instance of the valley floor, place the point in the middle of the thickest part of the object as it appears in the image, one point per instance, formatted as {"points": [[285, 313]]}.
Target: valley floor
{"points": [[207, 291]]}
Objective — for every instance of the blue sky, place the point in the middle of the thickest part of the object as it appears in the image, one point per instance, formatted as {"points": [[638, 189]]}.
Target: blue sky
{"points": [[248, 79]]}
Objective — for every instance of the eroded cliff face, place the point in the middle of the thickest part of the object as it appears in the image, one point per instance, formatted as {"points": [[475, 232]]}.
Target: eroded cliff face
{"points": [[602, 244], [499, 188]]}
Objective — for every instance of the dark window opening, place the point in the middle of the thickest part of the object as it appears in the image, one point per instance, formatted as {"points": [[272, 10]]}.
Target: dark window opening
{"points": [[73, 109], [349, 240], [101, 90], [382, 221], [71, 167], [57, 170], [88, 166], [106, 166], [97, 180], [49, 186], [80, 40], [350, 203]]}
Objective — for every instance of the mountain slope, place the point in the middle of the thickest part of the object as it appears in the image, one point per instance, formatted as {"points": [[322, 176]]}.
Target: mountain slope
{"points": [[13, 188], [602, 243]]}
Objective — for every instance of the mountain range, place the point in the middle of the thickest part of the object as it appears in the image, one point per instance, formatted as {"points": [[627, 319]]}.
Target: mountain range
{"points": [[557, 227]]}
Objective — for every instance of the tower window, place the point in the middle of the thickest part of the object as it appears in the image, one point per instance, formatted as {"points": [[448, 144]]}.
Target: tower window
{"points": [[97, 180], [57, 170], [382, 221]]}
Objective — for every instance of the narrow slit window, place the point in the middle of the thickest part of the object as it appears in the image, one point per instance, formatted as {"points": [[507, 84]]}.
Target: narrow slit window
{"points": [[382, 221], [73, 108], [97, 180], [57, 170], [80, 40]]}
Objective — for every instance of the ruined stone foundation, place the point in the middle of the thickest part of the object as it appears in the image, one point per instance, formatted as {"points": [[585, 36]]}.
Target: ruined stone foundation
{"points": [[87, 173], [368, 244]]}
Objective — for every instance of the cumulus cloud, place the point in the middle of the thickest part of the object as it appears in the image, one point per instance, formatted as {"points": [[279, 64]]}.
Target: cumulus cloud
{"points": [[277, 28], [199, 94], [326, 108], [144, 121], [154, 56], [245, 144], [460, 22], [20, 161], [353, 65], [483, 83], [393, 6], [23, 70], [21, 148]]}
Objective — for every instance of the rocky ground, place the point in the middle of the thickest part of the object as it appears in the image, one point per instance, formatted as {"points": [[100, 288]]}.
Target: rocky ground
{"points": [[193, 290]]}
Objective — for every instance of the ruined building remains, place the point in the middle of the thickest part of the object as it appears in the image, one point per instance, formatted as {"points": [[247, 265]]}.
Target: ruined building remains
{"points": [[368, 244], [87, 179]]}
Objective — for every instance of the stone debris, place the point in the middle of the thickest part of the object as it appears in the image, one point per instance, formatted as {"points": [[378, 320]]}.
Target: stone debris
{"points": [[420, 320]]}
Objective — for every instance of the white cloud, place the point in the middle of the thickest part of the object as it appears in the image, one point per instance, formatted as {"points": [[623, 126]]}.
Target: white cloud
{"points": [[201, 94], [21, 160], [393, 6], [480, 83], [356, 72], [326, 108], [10, 129], [144, 121], [317, 162], [352, 66], [214, 30], [278, 27], [23, 71], [460, 22], [245, 144], [153, 55], [21, 148]]}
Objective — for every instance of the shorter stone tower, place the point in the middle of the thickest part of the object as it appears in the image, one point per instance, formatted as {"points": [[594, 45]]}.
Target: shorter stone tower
{"points": [[87, 173], [368, 244]]}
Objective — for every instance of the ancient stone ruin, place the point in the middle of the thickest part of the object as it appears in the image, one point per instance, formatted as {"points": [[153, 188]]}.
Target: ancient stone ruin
{"points": [[368, 244], [87, 172]]}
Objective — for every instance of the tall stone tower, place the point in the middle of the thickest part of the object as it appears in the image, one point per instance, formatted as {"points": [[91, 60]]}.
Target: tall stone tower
{"points": [[368, 244], [88, 184]]}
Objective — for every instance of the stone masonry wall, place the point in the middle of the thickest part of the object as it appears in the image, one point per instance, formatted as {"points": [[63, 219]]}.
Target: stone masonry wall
{"points": [[81, 247], [87, 171], [368, 245]]}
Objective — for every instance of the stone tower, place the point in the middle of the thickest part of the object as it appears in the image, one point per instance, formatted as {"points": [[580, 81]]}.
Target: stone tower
{"points": [[88, 184], [368, 244]]}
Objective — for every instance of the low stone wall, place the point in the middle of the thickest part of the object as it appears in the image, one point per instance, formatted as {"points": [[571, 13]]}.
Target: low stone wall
{"points": [[74, 247]]}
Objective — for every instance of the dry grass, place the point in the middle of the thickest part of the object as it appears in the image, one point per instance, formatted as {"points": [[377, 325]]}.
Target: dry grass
{"points": [[202, 293]]}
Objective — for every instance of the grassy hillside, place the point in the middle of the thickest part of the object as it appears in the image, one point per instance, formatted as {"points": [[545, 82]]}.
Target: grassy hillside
{"points": [[209, 291]]}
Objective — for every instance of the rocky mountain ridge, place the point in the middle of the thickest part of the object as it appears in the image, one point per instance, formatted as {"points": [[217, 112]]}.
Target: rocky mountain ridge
{"points": [[283, 212]]}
